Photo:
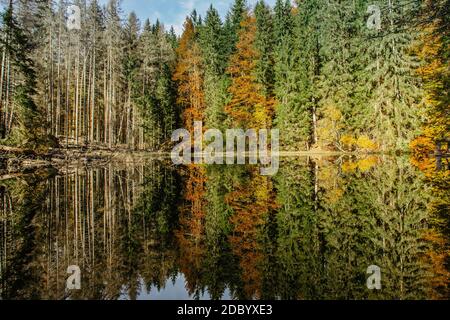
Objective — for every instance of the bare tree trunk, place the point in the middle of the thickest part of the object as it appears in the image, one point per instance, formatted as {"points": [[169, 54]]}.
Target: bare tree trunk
{"points": [[58, 90], [77, 90], [92, 106]]}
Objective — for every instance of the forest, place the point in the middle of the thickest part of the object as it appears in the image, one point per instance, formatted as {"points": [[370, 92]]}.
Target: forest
{"points": [[347, 93], [312, 69]]}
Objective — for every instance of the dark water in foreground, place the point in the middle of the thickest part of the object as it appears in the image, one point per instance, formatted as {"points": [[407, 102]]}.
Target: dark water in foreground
{"points": [[147, 230]]}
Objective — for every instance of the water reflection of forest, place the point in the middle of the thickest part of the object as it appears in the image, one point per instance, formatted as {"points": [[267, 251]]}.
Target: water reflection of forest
{"points": [[310, 232]]}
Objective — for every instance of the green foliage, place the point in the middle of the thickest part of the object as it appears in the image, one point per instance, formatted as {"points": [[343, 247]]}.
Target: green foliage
{"points": [[233, 25], [264, 44], [296, 64], [325, 77], [18, 47], [388, 81], [215, 57]]}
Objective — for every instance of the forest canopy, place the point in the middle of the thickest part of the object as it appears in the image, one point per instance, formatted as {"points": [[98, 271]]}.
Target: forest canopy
{"points": [[313, 69]]}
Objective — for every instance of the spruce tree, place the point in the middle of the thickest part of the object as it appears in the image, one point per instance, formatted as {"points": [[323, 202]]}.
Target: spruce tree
{"points": [[131, 65], [29, 131], [233, 24], [264, 44], [212, 44], [340, 62], [390, 80], [296, 64]]}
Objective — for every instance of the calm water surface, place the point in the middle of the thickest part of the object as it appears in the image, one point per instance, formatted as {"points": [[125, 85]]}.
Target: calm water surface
{"points": [[144, 229]]}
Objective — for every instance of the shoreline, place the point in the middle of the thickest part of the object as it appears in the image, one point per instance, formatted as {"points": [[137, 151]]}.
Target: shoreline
{"points": [[15, 162]]}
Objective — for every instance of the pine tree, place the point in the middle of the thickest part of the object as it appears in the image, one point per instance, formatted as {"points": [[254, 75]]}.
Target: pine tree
{"points": [[172, 38], [95, 22], [390, 80], [131, 65], [233, 24], [296, 68], [113, 77], [165, 95], [337, 109], [264, 44], [156, 98], [18, 49], [212, 44]]}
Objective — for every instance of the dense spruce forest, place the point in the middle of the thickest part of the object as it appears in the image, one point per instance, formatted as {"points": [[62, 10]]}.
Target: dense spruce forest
{"points": [[312, 68]]}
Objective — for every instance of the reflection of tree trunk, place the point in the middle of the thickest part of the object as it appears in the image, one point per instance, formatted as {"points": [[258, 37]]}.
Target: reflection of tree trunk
{"points": [[92, 215], [65, 229], [57, 179], [105, 209], [75, 199], [111, 205], [316, 185]]}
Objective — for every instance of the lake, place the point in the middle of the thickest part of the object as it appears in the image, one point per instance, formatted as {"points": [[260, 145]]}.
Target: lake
{"points": [[146, 229]]}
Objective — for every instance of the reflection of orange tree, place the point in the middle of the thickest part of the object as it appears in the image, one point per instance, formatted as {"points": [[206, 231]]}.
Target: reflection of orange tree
{"points": [[252, 202], [438, 259], [190, 235], [437, 236]]}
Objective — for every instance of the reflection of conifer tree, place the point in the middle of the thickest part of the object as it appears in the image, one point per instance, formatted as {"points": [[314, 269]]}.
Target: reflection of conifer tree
{"points": [[298, 241], [122, 226], [345, 245], [438, 235], [219, 259], [21, 276], [401, 217], [379, 220], [156, 214]]}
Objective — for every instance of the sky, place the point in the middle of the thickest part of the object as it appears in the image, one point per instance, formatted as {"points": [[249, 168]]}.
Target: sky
{"points": [[174, 12]]}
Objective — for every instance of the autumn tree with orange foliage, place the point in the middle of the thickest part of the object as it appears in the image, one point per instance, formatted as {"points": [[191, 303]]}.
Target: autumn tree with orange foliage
{"points": [[248, 107], [189, 76]]}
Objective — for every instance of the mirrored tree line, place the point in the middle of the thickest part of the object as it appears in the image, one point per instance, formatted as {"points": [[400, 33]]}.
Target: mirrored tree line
{"points": [[102, 220], [308, 233]]}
